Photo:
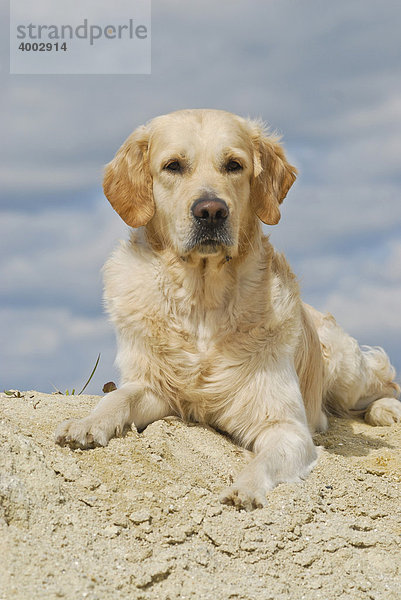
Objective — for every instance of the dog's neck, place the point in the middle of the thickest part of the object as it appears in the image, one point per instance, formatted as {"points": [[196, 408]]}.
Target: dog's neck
{"points": [[211, 279], [205, 281]]}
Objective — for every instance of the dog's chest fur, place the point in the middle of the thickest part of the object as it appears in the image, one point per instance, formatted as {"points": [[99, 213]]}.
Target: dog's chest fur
{"points": [[190, 332]]}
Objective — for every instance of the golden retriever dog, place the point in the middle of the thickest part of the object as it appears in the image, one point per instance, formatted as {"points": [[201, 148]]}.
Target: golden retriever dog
{"points": [[208, 315]]}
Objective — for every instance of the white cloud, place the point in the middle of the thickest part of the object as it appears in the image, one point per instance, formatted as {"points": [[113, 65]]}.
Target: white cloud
{"points": [[52, 321], [368, 310], [32, 179], [55, 256], [326, 217], [45, 346]]}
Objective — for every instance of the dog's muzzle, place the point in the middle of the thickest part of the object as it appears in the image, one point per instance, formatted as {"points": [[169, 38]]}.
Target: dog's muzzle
{"points": [[211, 225]]}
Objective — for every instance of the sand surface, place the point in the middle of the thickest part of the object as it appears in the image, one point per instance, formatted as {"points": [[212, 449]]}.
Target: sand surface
{"points": [[140, 519]]}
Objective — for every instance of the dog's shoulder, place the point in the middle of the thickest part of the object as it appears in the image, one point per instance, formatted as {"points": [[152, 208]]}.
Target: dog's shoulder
{"points": [[130, 279], [284, 294]]}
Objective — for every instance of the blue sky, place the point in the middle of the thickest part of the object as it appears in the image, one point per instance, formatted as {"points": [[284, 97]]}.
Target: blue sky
{"points": [[326, 75]]}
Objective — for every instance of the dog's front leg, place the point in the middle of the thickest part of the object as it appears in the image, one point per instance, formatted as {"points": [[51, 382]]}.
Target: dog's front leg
{"points": [[282, 442], [133, 403]]}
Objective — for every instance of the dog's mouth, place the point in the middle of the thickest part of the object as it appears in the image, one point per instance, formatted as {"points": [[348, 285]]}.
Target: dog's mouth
{"points": [[209, 247], [206, 241]]}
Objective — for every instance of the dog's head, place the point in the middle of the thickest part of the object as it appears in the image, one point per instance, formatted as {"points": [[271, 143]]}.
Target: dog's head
{"points": [[198, 179]]}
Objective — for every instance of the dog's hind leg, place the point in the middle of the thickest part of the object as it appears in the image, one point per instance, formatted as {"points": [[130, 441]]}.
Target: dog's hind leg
{"points": [[380, 400], [357, 380]]}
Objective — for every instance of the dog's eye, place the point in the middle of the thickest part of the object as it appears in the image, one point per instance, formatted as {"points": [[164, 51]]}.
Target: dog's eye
{"points": [[172, 165], [233, 165]]}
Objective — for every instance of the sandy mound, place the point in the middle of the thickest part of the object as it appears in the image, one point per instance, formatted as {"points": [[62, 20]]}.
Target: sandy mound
{"points": [[141, 519]]}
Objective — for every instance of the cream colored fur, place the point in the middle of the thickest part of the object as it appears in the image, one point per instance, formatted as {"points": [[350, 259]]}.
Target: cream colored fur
{"points": [[219, 334]]}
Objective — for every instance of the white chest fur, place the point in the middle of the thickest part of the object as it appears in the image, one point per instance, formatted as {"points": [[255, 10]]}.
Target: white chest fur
{"points": [[190, 332]]}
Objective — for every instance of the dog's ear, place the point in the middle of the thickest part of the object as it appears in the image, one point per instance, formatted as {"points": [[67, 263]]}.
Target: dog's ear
{"points": [[127, 182], [272, 178]]}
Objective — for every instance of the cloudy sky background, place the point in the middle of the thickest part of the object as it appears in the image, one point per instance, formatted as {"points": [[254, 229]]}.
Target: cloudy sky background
{"points": [[326, 75]]}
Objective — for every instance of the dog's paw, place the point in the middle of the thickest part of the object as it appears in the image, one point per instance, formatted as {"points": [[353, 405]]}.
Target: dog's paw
{"points": [[82, 433], [244, 496], [385, 411]]}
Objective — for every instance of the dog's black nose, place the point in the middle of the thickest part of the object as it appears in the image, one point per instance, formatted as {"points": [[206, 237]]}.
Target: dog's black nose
{"points": [[210, 210]]}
